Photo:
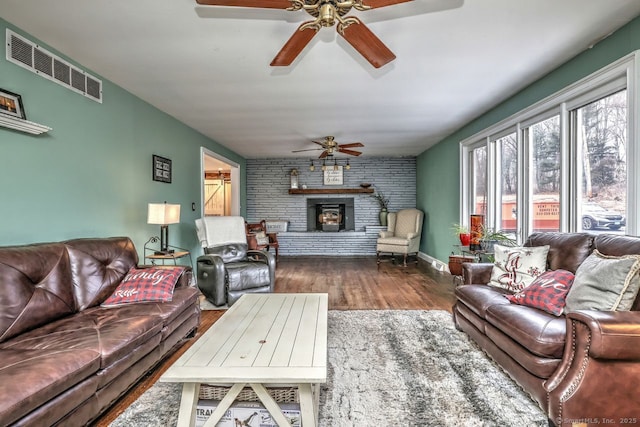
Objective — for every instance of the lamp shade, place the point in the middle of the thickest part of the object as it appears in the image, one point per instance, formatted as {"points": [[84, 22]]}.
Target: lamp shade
{"points": [[163, 214]]}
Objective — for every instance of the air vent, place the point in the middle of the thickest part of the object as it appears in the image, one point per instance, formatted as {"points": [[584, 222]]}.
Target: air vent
{"points": [[43, 62], [34, 58]]}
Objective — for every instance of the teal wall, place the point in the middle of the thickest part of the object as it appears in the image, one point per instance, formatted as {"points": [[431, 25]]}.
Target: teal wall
{"points": [[438, 169], [91, 175]]}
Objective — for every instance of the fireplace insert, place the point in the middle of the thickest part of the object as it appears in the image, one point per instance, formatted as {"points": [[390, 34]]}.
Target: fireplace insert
{"points": [[330, 214]]}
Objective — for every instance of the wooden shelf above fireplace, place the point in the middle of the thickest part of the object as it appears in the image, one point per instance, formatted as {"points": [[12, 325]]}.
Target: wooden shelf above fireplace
{"points": [[330, 190]]}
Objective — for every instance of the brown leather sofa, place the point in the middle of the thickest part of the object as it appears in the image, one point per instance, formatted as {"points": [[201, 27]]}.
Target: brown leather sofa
{"points": [[581, 367], [63, 358]]}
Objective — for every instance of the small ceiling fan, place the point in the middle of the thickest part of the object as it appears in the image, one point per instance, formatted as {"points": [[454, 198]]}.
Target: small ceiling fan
{"points": [[326, 14], [331, 147]]}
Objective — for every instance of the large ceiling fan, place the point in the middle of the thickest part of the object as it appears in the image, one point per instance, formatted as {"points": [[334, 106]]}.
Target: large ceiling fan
{"points": [[331, 147], [326, 14]]}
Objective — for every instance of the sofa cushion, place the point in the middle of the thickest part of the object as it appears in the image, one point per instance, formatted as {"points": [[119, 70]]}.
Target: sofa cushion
{"points": [[547, 292], [31, 378], [540, 366], [108, 332], [183, 299], [479, 298], [566, 250], [36, 287], [605, 283], [516, 267], [145, 285], [539, 332], [99, 265]]}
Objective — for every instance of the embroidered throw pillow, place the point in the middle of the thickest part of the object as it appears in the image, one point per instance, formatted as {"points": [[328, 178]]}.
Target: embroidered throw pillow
{"points": [[515, 267], [261, 238], [145, 285], [605, 283], [547, 292]]}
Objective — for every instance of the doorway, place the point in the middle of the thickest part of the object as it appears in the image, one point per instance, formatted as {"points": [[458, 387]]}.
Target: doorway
{"points": [[220, 185]]}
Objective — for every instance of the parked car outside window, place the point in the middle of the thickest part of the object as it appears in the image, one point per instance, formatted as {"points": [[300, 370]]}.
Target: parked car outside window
{"points": [[595, 216]]}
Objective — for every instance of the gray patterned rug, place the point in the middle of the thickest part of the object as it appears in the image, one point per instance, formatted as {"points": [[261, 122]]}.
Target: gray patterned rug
{"points": [[391, 368]]}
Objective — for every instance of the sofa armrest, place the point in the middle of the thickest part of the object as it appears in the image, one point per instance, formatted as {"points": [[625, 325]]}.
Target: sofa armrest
{"points": [[476, 273], [606, 335], [614, 334], [599, 368], [211, 278], [385, 234]]}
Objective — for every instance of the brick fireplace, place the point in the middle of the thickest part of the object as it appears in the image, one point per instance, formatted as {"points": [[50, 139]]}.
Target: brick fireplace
{"points": [[268, 197]]}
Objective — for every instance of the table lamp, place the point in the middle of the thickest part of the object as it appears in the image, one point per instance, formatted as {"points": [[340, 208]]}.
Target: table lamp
{"points": [[163, 214]]}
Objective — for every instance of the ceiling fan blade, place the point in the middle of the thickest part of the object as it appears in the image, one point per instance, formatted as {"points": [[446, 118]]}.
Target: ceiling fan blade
{"points": [[350, 152], [293, 47], [352, 144], [323, 155], [323, 143], [367, 44], [265, 4], [374, 4], [309, 149]]}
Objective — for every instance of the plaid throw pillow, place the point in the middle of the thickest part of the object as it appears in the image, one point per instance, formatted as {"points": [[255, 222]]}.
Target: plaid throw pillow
{"points": [[145, 285], [547, 292]]}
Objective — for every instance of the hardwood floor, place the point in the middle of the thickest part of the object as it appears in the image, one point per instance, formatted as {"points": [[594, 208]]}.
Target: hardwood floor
{"points": [[353, 283]]}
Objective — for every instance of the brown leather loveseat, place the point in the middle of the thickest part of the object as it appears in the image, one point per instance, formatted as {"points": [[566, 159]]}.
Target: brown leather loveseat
{"points": [[581, 367], [63, 358]]}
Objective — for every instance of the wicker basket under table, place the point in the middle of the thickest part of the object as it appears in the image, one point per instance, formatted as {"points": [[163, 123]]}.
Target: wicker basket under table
{"points": [[279, 394]]}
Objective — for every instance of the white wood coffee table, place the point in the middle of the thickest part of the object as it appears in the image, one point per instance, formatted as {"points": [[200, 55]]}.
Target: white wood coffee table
{"points": [[263, 339]]}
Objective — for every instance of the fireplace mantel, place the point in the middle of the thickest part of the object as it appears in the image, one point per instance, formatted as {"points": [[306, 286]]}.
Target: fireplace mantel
{"points": [[330, 190]]}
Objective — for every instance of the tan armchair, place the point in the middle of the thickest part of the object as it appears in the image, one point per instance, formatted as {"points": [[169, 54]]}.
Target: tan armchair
{"points": [[403, 234]]}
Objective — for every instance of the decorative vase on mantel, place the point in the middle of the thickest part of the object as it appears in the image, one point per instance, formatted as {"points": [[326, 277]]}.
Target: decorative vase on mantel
{"points": [[383, 216]]}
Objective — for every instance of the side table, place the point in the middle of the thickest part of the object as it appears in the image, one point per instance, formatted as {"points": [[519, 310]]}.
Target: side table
{"points": [[172, 256], [153, 256]]}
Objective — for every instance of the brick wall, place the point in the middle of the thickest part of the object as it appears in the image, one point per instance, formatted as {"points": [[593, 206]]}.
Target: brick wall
{"points": [[268, 182]]}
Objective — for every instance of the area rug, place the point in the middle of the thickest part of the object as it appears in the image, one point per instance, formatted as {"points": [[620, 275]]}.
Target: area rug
{"points": [[391, 368]]}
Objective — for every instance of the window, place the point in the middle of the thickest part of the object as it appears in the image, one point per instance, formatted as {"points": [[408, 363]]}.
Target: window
{"points": [[601, 136], [562, 164], [544, 202], [507, 194], [479, 198]]}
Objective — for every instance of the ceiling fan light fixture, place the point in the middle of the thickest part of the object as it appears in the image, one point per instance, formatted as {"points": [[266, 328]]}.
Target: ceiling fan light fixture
{"points": [[327, 15]]}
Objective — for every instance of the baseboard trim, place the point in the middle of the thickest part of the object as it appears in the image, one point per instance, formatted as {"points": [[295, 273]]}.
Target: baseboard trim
{"points": [[434, 262]]}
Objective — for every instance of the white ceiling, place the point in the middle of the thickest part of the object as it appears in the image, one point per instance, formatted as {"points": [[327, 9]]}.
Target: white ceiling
{"points": [[209, 66]]}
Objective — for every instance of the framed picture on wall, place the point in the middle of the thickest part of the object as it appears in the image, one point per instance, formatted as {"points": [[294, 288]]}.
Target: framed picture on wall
{"points": [[11, 104], [333, 175], [161, 169]]}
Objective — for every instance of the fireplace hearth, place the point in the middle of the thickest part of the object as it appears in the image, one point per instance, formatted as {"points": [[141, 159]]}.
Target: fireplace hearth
{"points": [[330, 214]]}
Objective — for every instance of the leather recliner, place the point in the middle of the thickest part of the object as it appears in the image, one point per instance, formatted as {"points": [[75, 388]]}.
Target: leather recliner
{"points": [[227, 270]]}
